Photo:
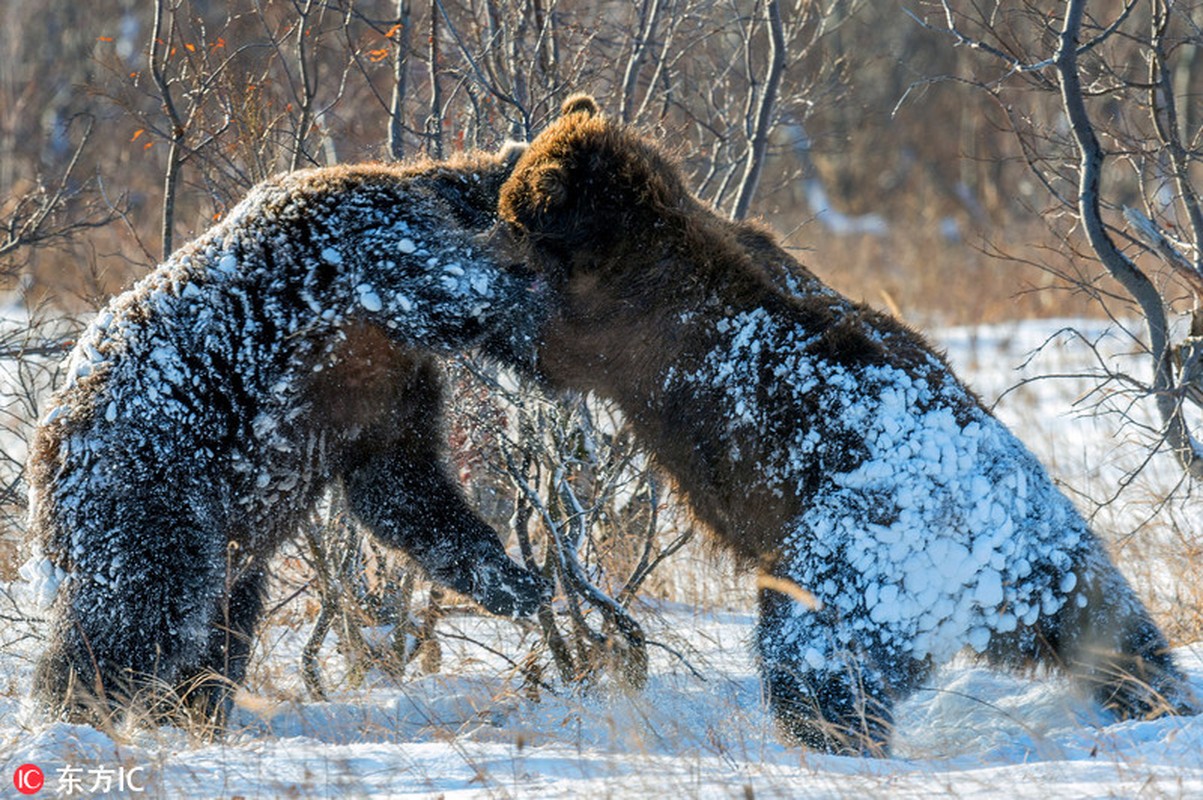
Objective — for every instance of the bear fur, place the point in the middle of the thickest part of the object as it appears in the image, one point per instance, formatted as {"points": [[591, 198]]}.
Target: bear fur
{"points": [[895, 520], [209, 407]]}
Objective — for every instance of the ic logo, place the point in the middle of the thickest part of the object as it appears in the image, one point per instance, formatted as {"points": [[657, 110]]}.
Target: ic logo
{"points": [[28, 779]]}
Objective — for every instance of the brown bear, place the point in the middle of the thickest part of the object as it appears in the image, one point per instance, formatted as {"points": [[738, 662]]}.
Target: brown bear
{"points": [[895, 521], [209, 407]]}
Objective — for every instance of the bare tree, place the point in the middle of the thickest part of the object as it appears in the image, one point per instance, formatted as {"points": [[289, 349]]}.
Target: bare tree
{"points": [[1107, 125], [762, 99], [396, 117], [169, 68]]}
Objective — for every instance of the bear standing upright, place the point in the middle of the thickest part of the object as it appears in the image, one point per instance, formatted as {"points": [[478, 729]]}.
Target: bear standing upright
{"points": [[895, 520], [208, 408]]}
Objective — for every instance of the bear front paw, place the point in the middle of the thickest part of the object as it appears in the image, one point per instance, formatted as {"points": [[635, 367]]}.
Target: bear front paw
{"points": [[508, 590]]}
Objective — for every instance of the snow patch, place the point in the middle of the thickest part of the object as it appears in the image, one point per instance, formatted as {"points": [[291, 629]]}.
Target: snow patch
{"points": [[43, 577], [368, 298]]}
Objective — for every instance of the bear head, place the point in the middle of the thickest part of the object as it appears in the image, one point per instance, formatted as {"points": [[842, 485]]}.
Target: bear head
{"points": [[618, 244], [588, 188]]}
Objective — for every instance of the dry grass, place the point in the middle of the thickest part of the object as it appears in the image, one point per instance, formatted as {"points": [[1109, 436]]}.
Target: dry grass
{"points": [[920, 275], [1164, 559]]}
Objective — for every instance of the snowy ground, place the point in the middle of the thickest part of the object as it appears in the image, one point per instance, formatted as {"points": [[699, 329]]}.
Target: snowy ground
{"points": [[698, 730]]}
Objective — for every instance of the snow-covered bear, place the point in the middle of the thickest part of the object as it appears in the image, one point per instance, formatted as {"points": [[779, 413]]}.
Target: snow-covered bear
{"points": [[894, 519], [209, 407]]}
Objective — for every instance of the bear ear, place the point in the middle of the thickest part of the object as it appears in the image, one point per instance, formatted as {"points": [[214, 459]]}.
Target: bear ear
{"points": [[580, 103], [550, 187], [529, 196], [511, 151]]}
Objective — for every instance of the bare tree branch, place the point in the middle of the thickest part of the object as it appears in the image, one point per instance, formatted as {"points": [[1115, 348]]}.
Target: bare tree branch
{"points": [[31, 218], [308, 87], [160, 45], [1164, 113], [1135, 282], [649, 18], [764, 114], [1154, 238], [396, 111]]}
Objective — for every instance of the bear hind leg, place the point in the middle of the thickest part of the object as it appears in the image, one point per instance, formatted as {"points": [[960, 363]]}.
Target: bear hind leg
{"points": [[1103, 638], [129, 620], [209, 691], [830, 688], [93, 670], [1106, 640]]}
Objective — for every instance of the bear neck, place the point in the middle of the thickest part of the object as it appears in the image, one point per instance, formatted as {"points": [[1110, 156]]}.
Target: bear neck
{"points": [[633, 351]]}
